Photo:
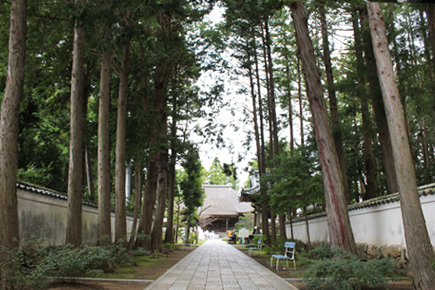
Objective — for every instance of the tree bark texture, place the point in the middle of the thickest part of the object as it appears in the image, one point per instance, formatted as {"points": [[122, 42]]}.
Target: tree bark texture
{"points": [[104, 222], [137, 199], [10, 109], [74, 220], [421, 252], [90, 178], [378, 104], [169, 236], [263, 192], [254, 114], [368, 149], [340, 231], [157, 229], [120, 211], [290, 109], [301, 111], [335, 120]]}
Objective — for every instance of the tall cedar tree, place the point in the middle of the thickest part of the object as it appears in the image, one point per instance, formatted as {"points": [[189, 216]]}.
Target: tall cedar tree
{"points": [[340, 231], [74, 220], [120, 210], [378, 104], [104, 226], [9, 126], [336, 130], [421, 252]]}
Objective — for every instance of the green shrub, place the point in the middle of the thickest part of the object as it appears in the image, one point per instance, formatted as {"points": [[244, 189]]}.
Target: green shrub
{"points": [[337, 269], [28, 266], [21, 267]]}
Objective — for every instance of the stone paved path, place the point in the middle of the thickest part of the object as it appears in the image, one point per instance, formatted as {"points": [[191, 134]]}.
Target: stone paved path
{"points": [[217, 265]]}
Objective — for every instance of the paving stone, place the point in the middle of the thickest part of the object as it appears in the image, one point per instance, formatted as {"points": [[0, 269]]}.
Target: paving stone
{"points": [[216, 265]]}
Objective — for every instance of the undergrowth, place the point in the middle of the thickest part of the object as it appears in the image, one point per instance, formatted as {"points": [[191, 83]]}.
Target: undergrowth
{"points": [[337, 269], [28, 266]]}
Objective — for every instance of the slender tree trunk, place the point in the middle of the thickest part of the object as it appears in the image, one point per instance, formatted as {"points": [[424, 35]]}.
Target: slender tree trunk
{"points": [[254, 113], [263, 193], [169, 237], [290, 108], [260, 110], [137, 197], [162, 180], [10, 109], [368, 150], [378, 104], [335, 120], [178, 221], [301, 107], [74, 219], [149, 202], [273, 126], [307, 225], [104, 221], [90, 179], [120, 211], [340, 231], [421, 252]]}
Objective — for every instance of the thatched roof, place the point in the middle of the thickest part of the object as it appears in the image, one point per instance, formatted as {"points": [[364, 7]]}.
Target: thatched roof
{"points": [[222, 200]]}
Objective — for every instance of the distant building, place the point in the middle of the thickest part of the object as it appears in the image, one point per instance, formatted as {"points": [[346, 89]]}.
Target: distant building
{"points": [[221, 209]]}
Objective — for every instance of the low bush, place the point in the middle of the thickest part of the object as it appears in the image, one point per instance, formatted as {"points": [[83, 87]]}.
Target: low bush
{"points": [[28, 266], [337, 269], [21, 267]]}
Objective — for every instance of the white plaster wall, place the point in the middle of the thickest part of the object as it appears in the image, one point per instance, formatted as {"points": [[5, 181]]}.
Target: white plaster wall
{"points": [[45, 216], [377, 225]]}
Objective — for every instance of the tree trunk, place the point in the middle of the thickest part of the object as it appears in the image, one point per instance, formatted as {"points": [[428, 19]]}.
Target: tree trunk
{"points": [[421, 252], [340, 231], [104, 221], [368, 150], [120, 211], [336, 130], [74, 220], [169, 237], [10, 109], [282, 232], [254, 113], [157, 229], [272, 120], [90, 179], [307, 226], [301, 112], [290, 109], [378, 104], [137, 198], [145, 223], [263, 192]]}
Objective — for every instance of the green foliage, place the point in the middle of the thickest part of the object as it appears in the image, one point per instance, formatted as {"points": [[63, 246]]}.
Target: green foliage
{"points": [[295, 181], [27, 267], [222, 175], [34, 175], [246, 222], [337, 269], [22, 269]]}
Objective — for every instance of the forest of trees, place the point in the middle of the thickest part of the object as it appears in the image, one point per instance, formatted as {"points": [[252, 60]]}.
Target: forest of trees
{"points": [[95, 87]]}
